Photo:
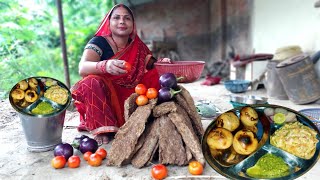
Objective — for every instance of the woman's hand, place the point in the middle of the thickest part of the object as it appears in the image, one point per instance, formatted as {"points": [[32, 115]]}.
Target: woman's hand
{"points": [[115, 67]]}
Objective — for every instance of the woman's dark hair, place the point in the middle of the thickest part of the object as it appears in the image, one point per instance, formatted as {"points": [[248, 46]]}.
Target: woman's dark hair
{"points": [[122, 5]]}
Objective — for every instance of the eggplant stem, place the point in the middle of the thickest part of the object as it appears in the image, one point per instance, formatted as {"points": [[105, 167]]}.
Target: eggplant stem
{"points": [[180, 78], [174, 92]]}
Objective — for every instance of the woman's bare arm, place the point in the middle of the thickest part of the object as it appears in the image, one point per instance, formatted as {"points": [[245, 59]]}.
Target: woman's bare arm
{"points": [[89, 64]]}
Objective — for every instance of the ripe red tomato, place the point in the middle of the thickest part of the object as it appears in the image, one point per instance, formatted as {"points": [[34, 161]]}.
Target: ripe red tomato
{"points": [[142, 100], [127, 66], [140, 89], [58, 162], [86, 155], [95, 160], [74, 161], [159, 171], [195, 168], [152, 93], [102, 152]]}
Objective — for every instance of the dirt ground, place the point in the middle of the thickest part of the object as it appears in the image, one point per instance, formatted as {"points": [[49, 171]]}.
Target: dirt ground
{"points": [[16, 162]]}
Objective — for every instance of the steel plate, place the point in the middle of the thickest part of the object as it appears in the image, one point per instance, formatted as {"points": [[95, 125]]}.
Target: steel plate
{"points": [[298, 166], [42, 87]]}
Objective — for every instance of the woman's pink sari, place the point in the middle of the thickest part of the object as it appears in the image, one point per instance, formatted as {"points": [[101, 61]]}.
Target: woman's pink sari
{"points": [[100, 98]]}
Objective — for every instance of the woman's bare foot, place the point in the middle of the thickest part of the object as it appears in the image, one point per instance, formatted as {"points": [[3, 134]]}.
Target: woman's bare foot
{"points": [[104, 138]]}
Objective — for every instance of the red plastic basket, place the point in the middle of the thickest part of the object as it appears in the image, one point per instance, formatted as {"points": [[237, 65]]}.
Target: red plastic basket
{"points": [[189, 70]]}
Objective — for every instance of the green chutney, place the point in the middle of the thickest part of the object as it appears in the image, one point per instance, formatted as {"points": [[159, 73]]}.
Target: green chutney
{"points": [[269, 166], [43, 108]]}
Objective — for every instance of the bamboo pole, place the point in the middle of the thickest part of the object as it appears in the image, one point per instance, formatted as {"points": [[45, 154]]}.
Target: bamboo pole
{"points": [[63, 43]]}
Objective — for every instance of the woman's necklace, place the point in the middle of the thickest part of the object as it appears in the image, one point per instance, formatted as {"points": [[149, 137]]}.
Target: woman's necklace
{"points": [[118, 48]]}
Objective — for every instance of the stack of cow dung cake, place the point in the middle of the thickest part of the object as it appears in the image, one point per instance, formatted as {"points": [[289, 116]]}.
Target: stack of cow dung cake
{"points": [[169, 133]]}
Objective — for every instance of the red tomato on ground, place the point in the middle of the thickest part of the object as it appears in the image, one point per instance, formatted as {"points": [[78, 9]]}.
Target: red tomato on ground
{"points": [[95, 160], [152, 93], [140, 89], [74, 161], [102, 152], [195, 168], [86, 155], [58, 162], [127, 66], [159, 171], [142, 100]]}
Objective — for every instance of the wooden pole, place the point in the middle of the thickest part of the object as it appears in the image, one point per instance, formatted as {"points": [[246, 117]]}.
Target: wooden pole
{"points": [[63, 43], [224, 29]]}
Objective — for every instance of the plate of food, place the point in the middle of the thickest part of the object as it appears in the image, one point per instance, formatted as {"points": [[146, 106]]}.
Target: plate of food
{"points": [[261, 141], [40, 96]]}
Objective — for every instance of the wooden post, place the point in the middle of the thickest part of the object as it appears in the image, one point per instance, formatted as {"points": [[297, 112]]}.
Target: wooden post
{"points": [[63, 43]]}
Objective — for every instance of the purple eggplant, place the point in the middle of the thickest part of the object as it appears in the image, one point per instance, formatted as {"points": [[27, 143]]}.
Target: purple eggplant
{"points": [[77, 140], [168, 80], [165, 94], [88, 144], [63, 149]]}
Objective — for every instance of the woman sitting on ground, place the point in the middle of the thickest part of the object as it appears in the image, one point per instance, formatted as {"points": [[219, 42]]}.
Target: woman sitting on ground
{"points": [[106, 84]]}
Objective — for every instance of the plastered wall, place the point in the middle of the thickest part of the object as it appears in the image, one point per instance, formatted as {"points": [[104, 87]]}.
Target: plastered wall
{"points": [[283, 23], [202, 29]]}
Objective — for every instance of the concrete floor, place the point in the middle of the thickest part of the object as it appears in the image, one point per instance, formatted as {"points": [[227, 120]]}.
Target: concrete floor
{"points": [[16, 162]]}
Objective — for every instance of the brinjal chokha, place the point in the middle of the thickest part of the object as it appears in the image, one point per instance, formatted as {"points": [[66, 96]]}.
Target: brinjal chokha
{"points": [[57, 94], [228, 120], [219, 138], [245, 142], [248, 116]]}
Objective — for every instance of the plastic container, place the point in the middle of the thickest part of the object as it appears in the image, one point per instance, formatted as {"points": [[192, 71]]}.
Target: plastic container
{"points": [[42, 131], [237, 86], [189, 70]]}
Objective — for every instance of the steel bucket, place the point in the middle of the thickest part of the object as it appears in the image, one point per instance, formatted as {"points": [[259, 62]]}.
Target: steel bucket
{"points": [[42, 131]]}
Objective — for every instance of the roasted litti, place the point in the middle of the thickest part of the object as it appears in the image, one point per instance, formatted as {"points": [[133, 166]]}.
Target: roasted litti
{"points": [[219, 138], [230, 156], [33, 83], [23, 85], [248, 116], [245, 142], [228, 120], [17, 94], [23, 103], [31, 96], [252, 128]]}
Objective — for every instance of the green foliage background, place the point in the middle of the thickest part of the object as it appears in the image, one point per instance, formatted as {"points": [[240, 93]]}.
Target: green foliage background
{"points": [[30, 38]]}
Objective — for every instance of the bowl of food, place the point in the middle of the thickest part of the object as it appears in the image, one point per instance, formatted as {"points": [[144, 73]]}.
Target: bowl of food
{"points": [[185, 71], [237, 86], [250, 143], [41, 103]]}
